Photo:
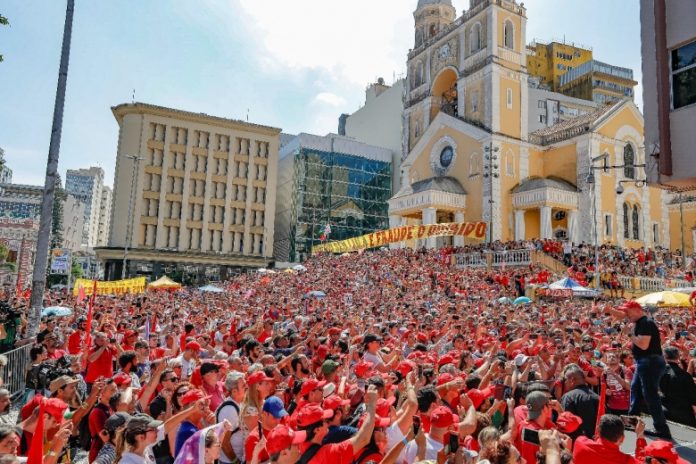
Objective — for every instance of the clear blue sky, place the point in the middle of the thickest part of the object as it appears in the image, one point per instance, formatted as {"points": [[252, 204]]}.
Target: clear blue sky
{"points": [[293, 64]]}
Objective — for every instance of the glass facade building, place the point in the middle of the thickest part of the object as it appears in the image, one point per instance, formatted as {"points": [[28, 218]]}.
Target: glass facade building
{"points": [[348, 191]]}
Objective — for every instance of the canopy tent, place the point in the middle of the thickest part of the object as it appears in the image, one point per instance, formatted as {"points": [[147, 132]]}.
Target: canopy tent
{"points": [[163, 283], [665, 299], [577, 289], [211, 289]]}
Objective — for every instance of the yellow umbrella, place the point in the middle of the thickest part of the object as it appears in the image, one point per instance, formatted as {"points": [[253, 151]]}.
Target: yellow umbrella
{"points": [[164, 283], [665, 299]]}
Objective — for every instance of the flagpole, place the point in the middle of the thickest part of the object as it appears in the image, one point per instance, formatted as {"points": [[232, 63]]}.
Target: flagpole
{"points": [[88, 328]]}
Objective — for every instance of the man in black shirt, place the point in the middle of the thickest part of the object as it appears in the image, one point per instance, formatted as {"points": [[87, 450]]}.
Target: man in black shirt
{"points": [[579, 400], [650, 367], [678, 390]]}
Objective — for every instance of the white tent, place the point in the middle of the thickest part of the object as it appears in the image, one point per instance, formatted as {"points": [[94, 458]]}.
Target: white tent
{"points": [[578, 290]]}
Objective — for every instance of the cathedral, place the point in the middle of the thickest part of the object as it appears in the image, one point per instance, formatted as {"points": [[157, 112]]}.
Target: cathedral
{"points": [[469, 153]]}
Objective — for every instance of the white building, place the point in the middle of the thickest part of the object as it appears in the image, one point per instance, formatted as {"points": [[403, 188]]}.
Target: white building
{"points": [[73, 223], [104, 217], [547, 108], [86, 185]]}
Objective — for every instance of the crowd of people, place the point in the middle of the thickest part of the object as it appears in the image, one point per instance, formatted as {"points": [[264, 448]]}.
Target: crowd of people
{"points": [[388, 356]]}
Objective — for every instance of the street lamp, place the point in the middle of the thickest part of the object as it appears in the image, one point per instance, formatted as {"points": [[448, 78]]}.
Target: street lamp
{"points": [[638, 183], [129, 225], [490, 171]]}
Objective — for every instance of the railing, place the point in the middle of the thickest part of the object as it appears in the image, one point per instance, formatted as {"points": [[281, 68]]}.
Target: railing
{"points": [[549, 262], [511, 258], [470, 260], [14, 374], [650, 284]]}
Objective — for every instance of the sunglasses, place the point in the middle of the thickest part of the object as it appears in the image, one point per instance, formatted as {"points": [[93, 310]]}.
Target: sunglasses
{"points": [[181, 393], [172, 379]]}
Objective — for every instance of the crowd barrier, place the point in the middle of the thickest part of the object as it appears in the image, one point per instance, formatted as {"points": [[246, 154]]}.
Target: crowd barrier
{"points": [[14, 374], [652, 284], [493, 259]]}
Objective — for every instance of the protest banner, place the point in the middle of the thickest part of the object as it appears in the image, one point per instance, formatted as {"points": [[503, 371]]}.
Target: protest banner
{"points": [[116, 287], [473, 230]]}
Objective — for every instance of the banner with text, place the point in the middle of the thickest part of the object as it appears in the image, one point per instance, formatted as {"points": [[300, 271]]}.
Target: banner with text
{"points": [[116, 287], [474, 230]]}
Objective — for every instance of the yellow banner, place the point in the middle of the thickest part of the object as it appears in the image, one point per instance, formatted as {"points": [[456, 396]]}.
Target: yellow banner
{"points": [[475, 230], [116, 287]]}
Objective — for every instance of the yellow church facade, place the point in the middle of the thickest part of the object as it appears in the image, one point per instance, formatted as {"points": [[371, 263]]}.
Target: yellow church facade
{"points": [[470, 156]]}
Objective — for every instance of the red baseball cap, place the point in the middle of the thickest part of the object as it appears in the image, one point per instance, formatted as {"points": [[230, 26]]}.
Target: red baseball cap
{"points": [[130, 333], [334, 331], [194, 346], [311, 414], [664, 450], [443, 418], [421, 337], [631, 304], [55, 407], [122, 379], [446, 359], [405, 367], [310, 385], [283, 437], [379, 421], [258, 377], [568, 422], [363, 369], [479, 396], [192, 396], [444, 378], [383, 406], [334, 402]]}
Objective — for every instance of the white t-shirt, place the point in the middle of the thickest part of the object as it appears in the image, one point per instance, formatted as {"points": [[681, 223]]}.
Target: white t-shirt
{"points": [[187, 367], [409, 453], [148, 457], [237, 439], [375, 359]]}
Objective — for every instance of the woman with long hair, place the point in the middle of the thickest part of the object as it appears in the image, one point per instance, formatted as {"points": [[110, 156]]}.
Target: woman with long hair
{"points": [[260, 387], [203, 447]]}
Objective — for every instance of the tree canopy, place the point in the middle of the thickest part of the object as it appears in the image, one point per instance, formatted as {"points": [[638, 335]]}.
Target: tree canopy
{"points": [[3, 22]]}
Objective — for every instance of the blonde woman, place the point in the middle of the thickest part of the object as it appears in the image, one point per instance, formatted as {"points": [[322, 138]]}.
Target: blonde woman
{"points": [[260, 388]]}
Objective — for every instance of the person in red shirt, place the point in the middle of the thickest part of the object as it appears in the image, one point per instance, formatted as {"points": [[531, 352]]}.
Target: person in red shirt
{"points": [[606, 449], [100, 362], [312, 419], [129, 339], [272, 413], [283, 444], [51, 351], [78, 337], [539, 410], [98, 416]]}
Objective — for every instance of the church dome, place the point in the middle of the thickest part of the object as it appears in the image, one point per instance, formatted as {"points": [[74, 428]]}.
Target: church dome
{"points": [[424, 3]]}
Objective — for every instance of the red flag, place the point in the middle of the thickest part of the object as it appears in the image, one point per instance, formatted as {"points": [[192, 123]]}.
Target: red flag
{"points": [[153, 325], [88, 328], [81, 294], [35, 454], [601, 409]]}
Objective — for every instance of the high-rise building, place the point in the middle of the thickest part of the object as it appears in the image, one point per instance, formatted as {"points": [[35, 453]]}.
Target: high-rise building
{"points": [[193, 194], [20, 201], [73, 223], [329, 181], [668, 35], [572, 70], [104, 217], [86, 185]]}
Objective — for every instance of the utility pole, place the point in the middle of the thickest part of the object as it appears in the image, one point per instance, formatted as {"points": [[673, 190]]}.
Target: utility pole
{"points": [[40, 261], [129, 225]]}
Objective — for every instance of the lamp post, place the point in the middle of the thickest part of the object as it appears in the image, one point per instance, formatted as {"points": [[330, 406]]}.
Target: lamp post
{"points": [[129, 225], [490, 171]]}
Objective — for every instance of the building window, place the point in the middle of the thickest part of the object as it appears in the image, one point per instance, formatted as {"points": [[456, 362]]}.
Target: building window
{"points": [[629, 162], [509, 35], [542, 118], [475, 38], [636, 223], [607, 225], [474, 101], [684, 76], [509, 165], [561, 234], [509, 98], [626, 221], [541, 104], [656, 234]]}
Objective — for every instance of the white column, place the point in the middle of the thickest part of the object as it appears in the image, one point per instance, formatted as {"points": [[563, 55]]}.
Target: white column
{"points": [[394, 221], [573, 227], [458, 218], [429, 217], [520, 231], [546, 230]]}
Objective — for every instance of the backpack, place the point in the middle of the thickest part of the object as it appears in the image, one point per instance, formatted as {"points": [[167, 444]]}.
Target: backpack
{"points": [[309, 454], [236, 408]]}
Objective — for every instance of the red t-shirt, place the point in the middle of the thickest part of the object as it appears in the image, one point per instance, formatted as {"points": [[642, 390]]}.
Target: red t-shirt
{"points": [[251, 442], [586, 451], [102, 367], [157, 353], [75, 342], [57, 354], [335, 453], [97, 418]]}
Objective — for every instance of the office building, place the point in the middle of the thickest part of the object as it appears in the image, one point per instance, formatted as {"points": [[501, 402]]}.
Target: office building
{"points": [[73, 223], [330, 181], [599, 82], [86, 185], [668, 36], [548, 108], [104, 217], [550, 61], [20, 201], [204, 194]]}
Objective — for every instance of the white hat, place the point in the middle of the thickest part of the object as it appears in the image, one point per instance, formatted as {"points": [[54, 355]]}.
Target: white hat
{"points": [[520, 359]]}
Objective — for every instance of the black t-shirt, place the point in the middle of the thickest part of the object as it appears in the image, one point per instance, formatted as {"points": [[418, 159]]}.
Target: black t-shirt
{"points": [[645, 326], [582, 402]]}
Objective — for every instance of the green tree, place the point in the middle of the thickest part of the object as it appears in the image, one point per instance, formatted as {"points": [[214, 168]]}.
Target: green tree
{"points": [[76, 270], [57, 224], [4, 265], [3, 22]]}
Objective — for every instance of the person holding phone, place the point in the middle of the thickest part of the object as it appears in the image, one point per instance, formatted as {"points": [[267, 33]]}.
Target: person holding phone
{"points": [[606, 449]]}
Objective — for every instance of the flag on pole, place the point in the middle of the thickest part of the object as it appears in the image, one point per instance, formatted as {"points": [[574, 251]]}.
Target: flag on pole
{"points": [[601, 409], [88, 325], [146, 333], [35, 454], [81, 294]]}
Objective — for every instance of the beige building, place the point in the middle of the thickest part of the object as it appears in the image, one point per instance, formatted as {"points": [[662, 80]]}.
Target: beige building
{"points": [[203, 193], [668, 33], [86, 185], [73, 223], [104, 216]]}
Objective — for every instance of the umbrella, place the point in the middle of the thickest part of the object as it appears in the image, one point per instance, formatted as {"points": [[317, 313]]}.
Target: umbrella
{"points": [[211, 289], [299, 267], [504, 300], [665, 299], [316, 294], [164, 283], [522, 300], [58, 311], [687, 290]]}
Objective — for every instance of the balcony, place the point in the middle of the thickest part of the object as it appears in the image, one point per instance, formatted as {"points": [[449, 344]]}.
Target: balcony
{"points": [[547, 196], [510, 56], [415, 202]]}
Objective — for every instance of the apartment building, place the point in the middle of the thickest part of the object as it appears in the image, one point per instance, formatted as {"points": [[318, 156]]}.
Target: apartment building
{"points": [[104, 217], [86, 185]]}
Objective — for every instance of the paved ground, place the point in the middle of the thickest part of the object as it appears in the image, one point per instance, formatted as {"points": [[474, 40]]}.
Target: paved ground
{"points": [[684, 440]]}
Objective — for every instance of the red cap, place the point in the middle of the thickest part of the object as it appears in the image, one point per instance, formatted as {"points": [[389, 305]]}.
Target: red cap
{"points": [[383, 406], [406, 333], [192, 396], [194, 346], [664, 450], [283, 437], [479, 362], [122, 379], [631, 304], [334, 402], [421, 337], [568, 422], [130, 333], [258, 377], [310, 385], [405, 367], [446, 359], [379, 421], [311, 414], [444, 378], [55, 407], [442, 418], [334, 331], [478, 396], [363, 369]]}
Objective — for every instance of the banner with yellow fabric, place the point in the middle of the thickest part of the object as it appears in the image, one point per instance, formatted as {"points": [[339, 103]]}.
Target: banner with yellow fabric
{"points": [[474, 230], [115, 287]]}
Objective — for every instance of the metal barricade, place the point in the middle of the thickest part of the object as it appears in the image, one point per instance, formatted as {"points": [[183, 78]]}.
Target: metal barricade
{"points": [[14, 374]]}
